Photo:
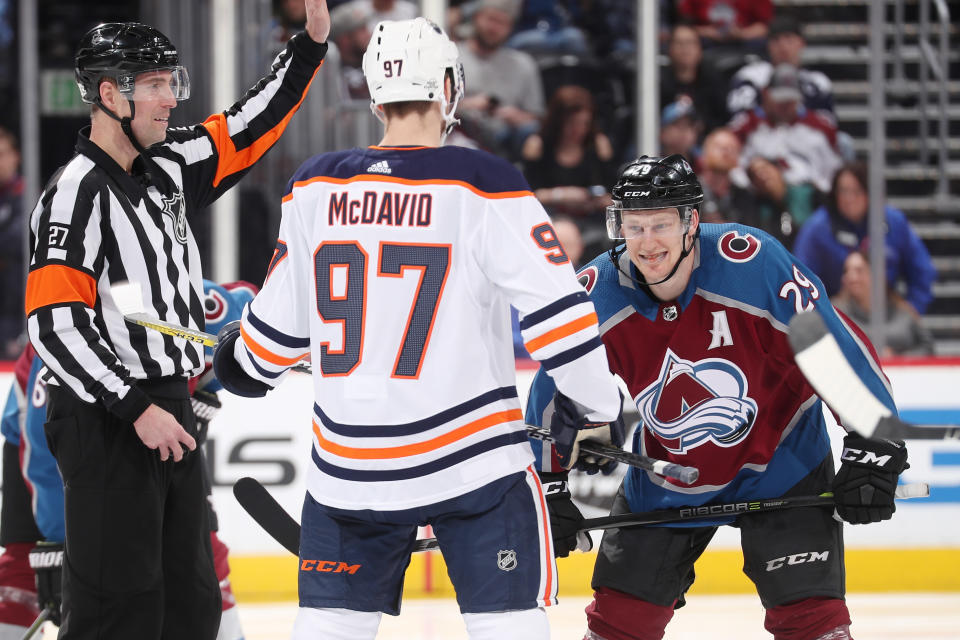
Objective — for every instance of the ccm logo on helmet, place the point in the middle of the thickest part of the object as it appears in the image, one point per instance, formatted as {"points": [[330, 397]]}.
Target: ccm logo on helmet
{"points": [[636, 194], [329, 566]]}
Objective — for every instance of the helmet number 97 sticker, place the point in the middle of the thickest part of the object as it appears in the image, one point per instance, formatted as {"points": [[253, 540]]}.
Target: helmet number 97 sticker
{"points": [[388, 67], [546, 238]]}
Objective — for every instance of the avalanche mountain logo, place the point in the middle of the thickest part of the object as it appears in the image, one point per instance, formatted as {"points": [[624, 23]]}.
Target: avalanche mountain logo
{"points": [[692, 403]]}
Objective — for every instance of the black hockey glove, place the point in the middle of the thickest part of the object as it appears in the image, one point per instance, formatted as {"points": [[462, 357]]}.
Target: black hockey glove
{"points": [[568, 427], [565, 518], [46, 560], [206, 405], [228, 371], [867, 479]]}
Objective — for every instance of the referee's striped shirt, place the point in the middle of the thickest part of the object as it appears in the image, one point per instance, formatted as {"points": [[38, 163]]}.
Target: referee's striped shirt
{"points": [[97, 225]]}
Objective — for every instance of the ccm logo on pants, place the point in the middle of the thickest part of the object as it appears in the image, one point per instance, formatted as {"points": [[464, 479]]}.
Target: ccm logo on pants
{"points": [[797, 558], [329, 566]]}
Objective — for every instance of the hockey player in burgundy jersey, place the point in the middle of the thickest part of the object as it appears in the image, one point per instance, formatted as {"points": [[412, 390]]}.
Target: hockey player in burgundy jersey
{"points": [[395, 271], [694, 318]]}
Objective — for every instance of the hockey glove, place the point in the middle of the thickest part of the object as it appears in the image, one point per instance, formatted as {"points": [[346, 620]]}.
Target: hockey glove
{"points": [[206, 405], [568, 427], [46, 560], [865, 484], [565, 518], [228, 371]]}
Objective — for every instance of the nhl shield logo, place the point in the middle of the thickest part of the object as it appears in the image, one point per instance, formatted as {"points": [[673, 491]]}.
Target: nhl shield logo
{"points": [[507, 560], [174, 207]]}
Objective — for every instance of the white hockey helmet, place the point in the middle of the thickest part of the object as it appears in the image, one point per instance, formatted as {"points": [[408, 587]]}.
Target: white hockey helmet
{"points": [[407, 60]]}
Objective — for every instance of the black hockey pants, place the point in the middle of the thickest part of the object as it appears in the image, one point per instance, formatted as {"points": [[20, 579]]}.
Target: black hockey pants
{"points": [[138, 562]]}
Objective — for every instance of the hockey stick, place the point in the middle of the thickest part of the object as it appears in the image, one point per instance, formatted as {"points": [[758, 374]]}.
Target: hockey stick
{"points": [[686, 475], [43, 617], [128, 301], [827, 370], [267, 512]]}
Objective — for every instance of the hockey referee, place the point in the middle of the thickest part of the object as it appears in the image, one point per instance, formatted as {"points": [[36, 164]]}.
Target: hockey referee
{"points": [[138, 562]]}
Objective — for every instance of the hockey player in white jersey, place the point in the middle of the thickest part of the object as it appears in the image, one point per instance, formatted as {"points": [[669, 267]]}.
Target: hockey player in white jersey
{"points": [[394, 271]]}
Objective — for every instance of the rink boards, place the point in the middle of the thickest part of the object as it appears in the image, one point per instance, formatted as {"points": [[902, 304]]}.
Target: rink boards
{"points": [[918, 550]]}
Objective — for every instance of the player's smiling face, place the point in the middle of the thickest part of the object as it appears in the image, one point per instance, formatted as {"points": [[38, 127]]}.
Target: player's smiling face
{"points": [[654, 240]]}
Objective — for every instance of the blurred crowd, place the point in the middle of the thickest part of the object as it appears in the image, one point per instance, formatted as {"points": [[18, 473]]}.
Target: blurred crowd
{"points": [[550, 86]]}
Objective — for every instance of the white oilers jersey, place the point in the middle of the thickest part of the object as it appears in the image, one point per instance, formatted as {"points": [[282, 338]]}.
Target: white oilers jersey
{"points": [[395, 270]]}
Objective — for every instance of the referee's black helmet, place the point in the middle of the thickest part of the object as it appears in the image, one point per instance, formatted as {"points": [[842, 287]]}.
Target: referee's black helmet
{"points": [[120, 51]]}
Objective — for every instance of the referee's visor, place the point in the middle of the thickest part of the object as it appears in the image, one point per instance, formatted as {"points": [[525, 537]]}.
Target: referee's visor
{"points": [[162, 83]]}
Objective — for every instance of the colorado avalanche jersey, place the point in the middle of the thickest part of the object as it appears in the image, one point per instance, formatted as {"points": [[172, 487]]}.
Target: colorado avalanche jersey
{"points": [[395, 271], [712, 373]]}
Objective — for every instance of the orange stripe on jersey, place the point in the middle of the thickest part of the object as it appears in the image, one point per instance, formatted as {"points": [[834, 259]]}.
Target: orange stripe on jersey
{"points": [[547, 537], [59, 284], [379, 148], [561, 332], [379, 178], [230, 160], [265, 354], [387, 453]]}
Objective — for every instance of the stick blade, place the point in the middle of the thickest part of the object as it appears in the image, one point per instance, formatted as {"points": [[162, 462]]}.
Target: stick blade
{"points": [[827, 370], [128, 297], [257, 501]]}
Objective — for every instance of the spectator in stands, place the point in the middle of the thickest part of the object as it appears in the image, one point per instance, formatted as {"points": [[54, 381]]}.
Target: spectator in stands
{"points": [[784, 46], [799, 141], [724, 182], [379, 10], [780, 207], [350, 33], [290, 16], [504, 92], [12, 239], [838, 228], [686, 76], [547, 26], [680, 128], [568, 233], [570, 160], [903, 331], [738, 23]]}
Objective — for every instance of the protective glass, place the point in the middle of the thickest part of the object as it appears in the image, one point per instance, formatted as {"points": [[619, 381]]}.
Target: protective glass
{"points": [[157, 84], [627, 227]]}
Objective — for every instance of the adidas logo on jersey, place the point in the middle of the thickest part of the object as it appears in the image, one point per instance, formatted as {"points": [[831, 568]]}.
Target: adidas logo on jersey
{"points": [[379, 167]]}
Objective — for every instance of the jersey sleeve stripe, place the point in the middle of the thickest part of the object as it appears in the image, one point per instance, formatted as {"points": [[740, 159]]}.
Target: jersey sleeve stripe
{"points": [[265, 373], [407, 181], [264, 354], [572, 354], [56, 284], [282, 339], [386, 453], [419, 426], [552, 309], [408, 473], [568, 329], [230, 159]]}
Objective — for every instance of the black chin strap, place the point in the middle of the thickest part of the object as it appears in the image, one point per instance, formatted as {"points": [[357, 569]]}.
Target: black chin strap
{"points": [[125, 123], [618, 250]]}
